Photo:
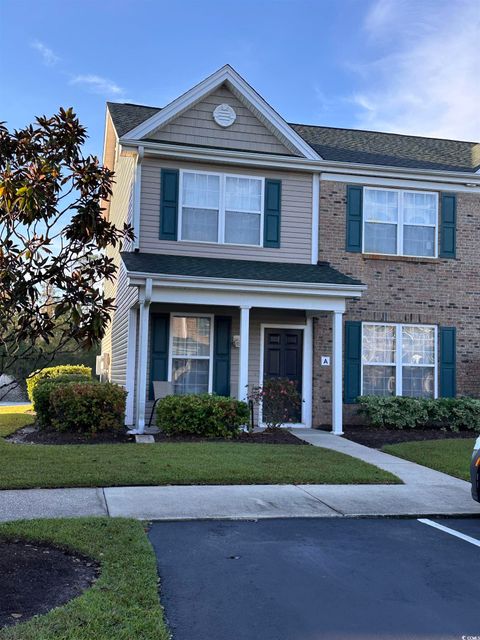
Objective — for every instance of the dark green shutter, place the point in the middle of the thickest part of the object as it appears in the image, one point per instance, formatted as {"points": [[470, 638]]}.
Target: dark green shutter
{"points": [[221, 355], [273, 200], [354, 218], [158, 349], [448, 224], [448, 385], [168, 204], [353, 354]]}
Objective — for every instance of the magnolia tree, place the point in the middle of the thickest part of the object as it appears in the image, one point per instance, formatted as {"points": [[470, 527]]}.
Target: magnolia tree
{"points": [[53, 237]]}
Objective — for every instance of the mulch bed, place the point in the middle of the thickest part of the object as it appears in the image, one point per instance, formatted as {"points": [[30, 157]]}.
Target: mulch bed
{"points": [[277, 436], [35, 578], [47, 436], [28, 435], [376, 438]]}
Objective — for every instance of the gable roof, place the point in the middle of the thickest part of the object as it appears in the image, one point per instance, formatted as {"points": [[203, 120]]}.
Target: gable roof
{"points": [[125, 115], [313, 142], [350, 145], [226, 268], [245, 93]]}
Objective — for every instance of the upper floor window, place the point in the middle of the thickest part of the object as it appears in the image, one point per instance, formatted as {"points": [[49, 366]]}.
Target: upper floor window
{"points": [[400, 222], [221, 208]]}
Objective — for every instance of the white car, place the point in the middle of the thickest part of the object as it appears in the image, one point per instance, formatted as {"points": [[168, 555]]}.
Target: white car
{"points": [[475, 471]]}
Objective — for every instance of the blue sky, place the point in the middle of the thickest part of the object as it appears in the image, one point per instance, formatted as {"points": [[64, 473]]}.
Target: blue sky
{"points": [[397, 65]]}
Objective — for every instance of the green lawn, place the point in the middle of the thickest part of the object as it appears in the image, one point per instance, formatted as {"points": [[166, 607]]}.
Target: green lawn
{"points": [[122, 605], [27, 466], [451, 456], [13, 418]]}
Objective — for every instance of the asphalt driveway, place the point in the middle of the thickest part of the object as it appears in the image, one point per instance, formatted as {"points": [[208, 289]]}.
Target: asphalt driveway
{"points": [[309, 579]]}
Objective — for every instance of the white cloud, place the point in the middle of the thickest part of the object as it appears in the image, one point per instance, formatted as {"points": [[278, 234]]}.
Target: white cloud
{"points": [[429, 84], [48, 56], [98, 84], [380, 14]]}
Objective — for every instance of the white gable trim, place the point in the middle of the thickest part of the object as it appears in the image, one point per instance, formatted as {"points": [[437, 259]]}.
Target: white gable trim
{"points": [[230, 76]]}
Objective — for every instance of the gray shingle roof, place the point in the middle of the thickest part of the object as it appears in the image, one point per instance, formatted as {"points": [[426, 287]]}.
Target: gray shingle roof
{"points": [[392, 149], [126, 117], [161, 264], [351, 145]]}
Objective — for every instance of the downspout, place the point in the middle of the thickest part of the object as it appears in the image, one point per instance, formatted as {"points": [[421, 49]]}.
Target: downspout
{"points": [[315, 216], [137, 196]]}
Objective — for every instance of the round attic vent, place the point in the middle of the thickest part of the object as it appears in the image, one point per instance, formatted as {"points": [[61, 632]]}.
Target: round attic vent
{"points": [[224, 115]]}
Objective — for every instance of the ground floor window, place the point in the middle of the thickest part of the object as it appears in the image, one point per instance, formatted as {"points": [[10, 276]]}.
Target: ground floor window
{"points": [[191, 354], [399, 359]]}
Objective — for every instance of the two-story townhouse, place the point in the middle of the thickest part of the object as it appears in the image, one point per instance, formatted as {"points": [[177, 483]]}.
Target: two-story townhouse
{"points": [[344, 260]]}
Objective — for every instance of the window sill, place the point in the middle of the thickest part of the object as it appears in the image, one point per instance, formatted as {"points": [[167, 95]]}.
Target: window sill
{"points": [[419, 260]]}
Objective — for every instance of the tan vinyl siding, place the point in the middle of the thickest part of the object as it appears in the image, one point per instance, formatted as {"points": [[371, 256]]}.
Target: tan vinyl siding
{"points": [[257, 318], [296, 217], [116, 336], [109, 149], [196, 126]]}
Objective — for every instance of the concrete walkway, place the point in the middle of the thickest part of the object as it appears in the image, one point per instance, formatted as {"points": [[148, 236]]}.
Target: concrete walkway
{"points": [[425, 493]]}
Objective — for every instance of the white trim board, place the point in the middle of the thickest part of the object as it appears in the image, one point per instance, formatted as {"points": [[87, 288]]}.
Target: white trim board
{"points": [[342, 171], [255, 286], [398, 183], [228, 75], [184, 295], [307, 368]]}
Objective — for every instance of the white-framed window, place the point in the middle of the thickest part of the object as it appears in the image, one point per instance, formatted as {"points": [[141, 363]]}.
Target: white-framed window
{"points": [[221, 208], [191, 353], [399, 360], [400, 222]]}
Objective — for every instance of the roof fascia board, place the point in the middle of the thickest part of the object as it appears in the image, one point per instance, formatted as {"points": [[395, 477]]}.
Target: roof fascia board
{"points": [[196, 93], [137, 278], [299, 164]]}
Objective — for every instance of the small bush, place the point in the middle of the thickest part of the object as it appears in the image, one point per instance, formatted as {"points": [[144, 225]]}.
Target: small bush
{"points": [[279, 400], [202, 415], [397, 412], [88, 407], [43, 389], [54, 372]]}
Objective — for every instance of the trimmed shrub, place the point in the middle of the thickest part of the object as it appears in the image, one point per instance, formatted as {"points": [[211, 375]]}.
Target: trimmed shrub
{"points": [[88, 407], [453, 414], [43, 389], [54, 372], [202, 415], [279, 400]]}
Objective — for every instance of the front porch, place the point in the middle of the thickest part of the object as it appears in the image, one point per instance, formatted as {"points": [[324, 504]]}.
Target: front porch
{"points": [[227, 335]]}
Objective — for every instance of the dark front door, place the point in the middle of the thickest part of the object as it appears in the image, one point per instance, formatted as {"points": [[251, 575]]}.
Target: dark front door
{"points": [[283, 358]]}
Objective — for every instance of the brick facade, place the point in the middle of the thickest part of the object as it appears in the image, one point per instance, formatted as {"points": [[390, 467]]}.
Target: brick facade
{"points": [[407, 290]]}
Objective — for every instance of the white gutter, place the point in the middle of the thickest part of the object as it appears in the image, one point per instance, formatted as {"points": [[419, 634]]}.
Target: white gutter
{"points": [[247, 158], [136, 278]]}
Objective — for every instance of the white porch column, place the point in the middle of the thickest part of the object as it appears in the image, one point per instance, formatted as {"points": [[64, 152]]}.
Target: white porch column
{"points": [[337, 406], [143, 328], [243, 354], [131, 364]]}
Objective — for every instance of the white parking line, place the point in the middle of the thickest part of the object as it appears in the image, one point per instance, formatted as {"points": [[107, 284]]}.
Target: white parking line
{"points": [[452, 532]]}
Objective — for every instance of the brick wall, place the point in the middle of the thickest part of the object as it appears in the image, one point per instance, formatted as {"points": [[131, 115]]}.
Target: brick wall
{"points": [[407, 290]]}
